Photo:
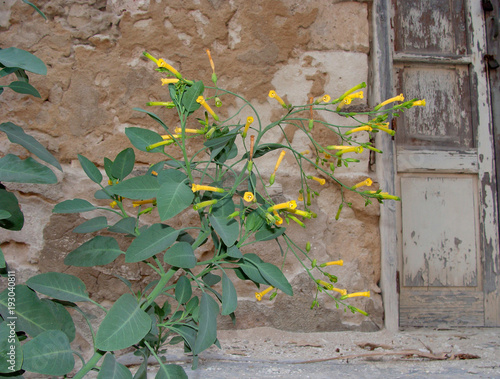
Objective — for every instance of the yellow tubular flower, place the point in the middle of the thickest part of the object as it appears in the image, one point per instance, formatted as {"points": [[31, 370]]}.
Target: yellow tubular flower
{"points": [[321, 181], [338, 147], [194, 131], [348, 92], [301, 197], [247, 125], [359, 129], [384, 127], [343, 292], [162, 63], [204, 204], [259, 295], [352, 149], [419, 103], [274, 95], [136, 203], [367, 182], [305, 152], [198, 187], [113, 204], [168, 81], [248, 197], [201, 100], [324, 284], [356, 294], [299, 212], [277, 217], [388, 101], [170, 136], [289, 204], [280, 158], [211, 61], [333, 263], [326, 98], [162, 143], [348, 99]]}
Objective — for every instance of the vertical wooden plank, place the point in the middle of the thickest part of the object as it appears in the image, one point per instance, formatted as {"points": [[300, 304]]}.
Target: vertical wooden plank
{"points": [[381, 89], [440, 246], [487, 195]]}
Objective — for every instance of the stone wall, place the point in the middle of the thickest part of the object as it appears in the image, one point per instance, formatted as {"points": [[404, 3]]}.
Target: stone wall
{"points": [[96, 75]]}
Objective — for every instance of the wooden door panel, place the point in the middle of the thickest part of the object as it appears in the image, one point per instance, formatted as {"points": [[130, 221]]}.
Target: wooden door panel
{"points": [[439, 231], [430, 26], [446, 122]]}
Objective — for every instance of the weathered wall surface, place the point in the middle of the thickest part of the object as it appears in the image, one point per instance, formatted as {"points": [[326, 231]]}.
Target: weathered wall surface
{"points": [[96, 75]]}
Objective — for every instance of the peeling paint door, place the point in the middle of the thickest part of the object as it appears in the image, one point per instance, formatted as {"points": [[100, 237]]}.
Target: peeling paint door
{"points": [[444, 166]]}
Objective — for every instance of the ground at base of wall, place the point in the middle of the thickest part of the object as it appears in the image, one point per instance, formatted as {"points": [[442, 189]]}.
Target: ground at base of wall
{"points": [[270, 353]]}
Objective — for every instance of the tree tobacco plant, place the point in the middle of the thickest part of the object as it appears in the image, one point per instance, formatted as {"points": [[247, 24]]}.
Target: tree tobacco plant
{"points": [[221, 183]]}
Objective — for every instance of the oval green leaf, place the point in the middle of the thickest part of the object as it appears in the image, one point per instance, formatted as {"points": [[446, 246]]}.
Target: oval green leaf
{"points": [[180, 255], [49, 353], [154, 240], [229, 296], [183, 290], [173, 198], [123, 164], [98, 251], [207, 328], [139, 187], [90, 169], [73, 206], [92, 225], [59, 286], [142, 138], [111, 369], [124, 325], [15, 169]]}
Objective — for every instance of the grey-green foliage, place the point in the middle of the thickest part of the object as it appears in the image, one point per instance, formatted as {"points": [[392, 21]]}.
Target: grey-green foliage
{"points": [[16, 64]]}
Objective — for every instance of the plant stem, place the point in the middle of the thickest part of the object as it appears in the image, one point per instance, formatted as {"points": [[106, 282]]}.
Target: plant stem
{"points": [[90, 364], [159, 287]]}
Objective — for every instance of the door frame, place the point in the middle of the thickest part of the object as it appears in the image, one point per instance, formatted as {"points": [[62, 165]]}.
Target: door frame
{"points": [[381, 88]]}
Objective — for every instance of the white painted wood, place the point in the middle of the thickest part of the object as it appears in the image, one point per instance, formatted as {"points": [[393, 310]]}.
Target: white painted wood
{"points": [[437, 161], [487, 195], [440, 246], [434, 59]]}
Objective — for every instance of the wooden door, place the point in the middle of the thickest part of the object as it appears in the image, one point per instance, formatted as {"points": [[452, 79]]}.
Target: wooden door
{"points": [[448, 243]]}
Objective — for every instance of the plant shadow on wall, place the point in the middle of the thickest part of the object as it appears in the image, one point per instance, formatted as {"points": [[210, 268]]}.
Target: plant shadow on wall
{"points": [[222, 184]]}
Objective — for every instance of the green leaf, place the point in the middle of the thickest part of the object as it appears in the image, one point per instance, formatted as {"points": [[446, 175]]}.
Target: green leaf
{"points": [[171, 175], [140, 187], [3, 264], [23, 87], [111, 369], [62, 318], [35, 7], [90, 169], [275, 277], [211, 279], [255, 220], [207, 329], [13, 57], [173, 197], [14, 169], [171, 371], [33, 316], [4, 214], [250, 269], [17, 135], [49, 353], [190, 96], [183, 290], [217, 144], [59, 286], [228, 230], [142, 138], [92, 225], [180, 255], [98, 251], [125, 225], [264, 149], [9, 344], [229, 296], [124, 325], [153, 116], [268, 233], [73, 206], [154, 240], [234, 252], [123, 164], [9, 204], [108, 163]]}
